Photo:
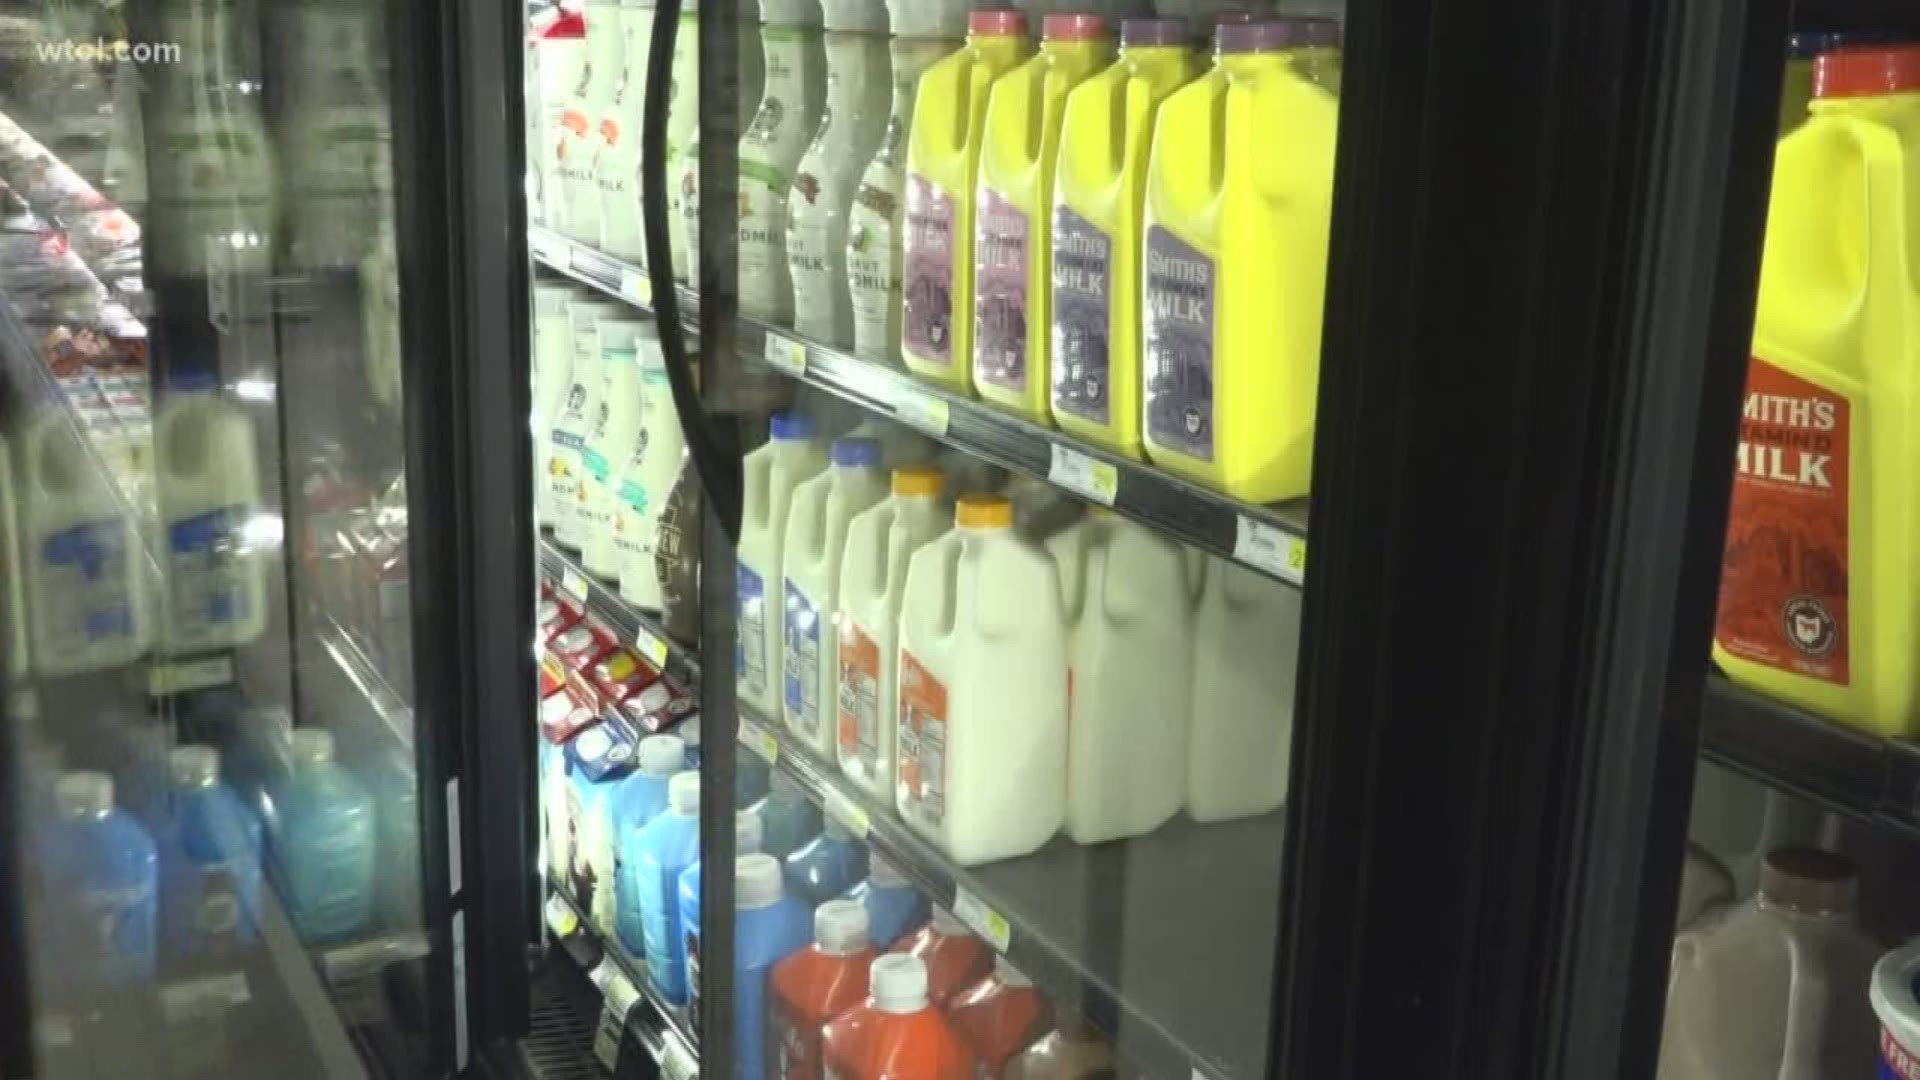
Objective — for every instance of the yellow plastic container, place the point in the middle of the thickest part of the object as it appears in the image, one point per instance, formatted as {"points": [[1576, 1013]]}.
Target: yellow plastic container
{"points": [[1817, 595], [1099, 198], [1239, 206], [943, 159], [1013, 224]]}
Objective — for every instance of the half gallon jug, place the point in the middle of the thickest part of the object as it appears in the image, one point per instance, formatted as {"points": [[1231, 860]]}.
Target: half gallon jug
{"points": [[1245, 643], [770, 149], [614, 438], [791, 457], [209, 485], [579, 413]]}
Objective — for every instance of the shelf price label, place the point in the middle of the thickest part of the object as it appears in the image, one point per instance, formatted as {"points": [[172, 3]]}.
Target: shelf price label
{"points": [[542, 245], [621, 995], [785, 354], [983, 920], [921, 409], [636, 287], [1084, 475], [201, 998], [840, 807], [1271, 549], [759, 740], [574, 584], [179, 676], [676, 1061], [652, 646], [561, 918]]}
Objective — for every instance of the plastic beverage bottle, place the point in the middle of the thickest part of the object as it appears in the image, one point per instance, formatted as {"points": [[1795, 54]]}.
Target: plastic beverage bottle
{"points": [[816, 540], [1072, 1051], [1013, 223], [998, 1017], [893, 904], [923, 32], [324, 843], [209, 483], [646, 483], [616, 436], [658, 853], [617, 170], [873, 585], [1245, 643], [747, 840], [791, 457], [579, 414], [211, 899], [1235, 265], [599, 79], [1099, 199], [791, 818], [105, 873], [87, 596], [815, 985], [943, 162], [895, 1032], [640, 798], [954, 957], [1773, 988], [769, 927], [683, 167], [1131, 629], [552, 376], [826, 866], [982, 730], [1835, 335], [770, 150], [824, 185], [556, 53]]}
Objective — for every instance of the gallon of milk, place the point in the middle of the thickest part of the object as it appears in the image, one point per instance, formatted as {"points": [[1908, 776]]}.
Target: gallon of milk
{"points": [[873, 583], [209, 493], [599, 78], [87, 598], [770, 149], [647, 481], [791, 457], [552, 374], [816, 539], [855, 118], [683, 167], [982, 730], [579, 415], [1099, 195], [1246, 641], [1013, 223], [1239, 207], [1130, 653], [555, 55], [617, 169], [943, 162], [614, 438]]}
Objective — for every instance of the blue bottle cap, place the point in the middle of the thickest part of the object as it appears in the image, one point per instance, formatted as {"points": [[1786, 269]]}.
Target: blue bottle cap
{"points": [[856, 453], [791, 424]]}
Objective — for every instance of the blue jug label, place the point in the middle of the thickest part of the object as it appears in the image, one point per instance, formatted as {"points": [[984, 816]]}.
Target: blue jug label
{"points": [[208, 571], [1082, 298], [750, 634], [801, 671], [1000, 293], [217, 908], [87, 566], [1180, 282]]}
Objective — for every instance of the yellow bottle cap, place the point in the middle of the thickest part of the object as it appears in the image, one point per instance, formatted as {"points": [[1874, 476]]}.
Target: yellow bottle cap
{"points": [[984, 512], [919, 480]]}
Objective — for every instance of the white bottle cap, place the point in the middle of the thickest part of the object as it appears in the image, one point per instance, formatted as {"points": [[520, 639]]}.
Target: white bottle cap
{"points": [[191, 767], [748, 832], [947, 924], [882, 874], [312, 746], [83, 794], [899, 983], [929, 18], [840, 927], [836, 831], [619, 333], [683, 793], [1008, 974], [856, 16], [661, 755], [756, 882]]}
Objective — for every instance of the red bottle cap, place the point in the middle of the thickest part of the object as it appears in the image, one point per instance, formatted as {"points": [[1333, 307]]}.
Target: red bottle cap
{"points": [[1866, 71], [996, 23], [1073, 27]]}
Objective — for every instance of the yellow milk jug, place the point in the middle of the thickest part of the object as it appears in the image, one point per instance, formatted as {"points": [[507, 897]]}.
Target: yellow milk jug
{"points": [[1012, 258], [1239, 205], [1817, 594], [1099, 195], [943, 157]]}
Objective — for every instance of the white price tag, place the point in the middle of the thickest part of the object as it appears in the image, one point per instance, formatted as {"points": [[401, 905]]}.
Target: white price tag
{"points": [[180, 676], [560, 917], [652, 646], [621, 995], [1269, 548], [676, 1061], [574, 584], [1086, 476], [200, 998], [760, 740], [603, 973], [921, 409], [785, 354], [636, 286], [840, 807], [988, 923], [542, 245]]}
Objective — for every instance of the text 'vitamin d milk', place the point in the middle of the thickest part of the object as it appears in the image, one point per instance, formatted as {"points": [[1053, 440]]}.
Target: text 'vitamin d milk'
{"points": [[790, 457]]}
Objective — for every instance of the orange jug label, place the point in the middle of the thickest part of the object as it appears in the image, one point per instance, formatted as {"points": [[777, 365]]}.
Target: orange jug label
{"points": [[1783, 592], [859, 732], [923, 738], [927, 303]]}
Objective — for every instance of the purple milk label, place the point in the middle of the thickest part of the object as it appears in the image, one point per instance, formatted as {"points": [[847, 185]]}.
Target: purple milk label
{"points": [[1179, 344], [927, 299], [1000, 293], [1082, 292]]}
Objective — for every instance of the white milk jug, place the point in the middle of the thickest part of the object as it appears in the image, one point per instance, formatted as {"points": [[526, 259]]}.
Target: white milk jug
{"points": [[86, 593], [209, 491], [1246, 642], [791, 457], [614, 438], [683, 165], [552, 374], [1124, 587], [601, 75], [829, 172], [816, 540], [555, 54], [647, 482], [873, 583], [982, 731], [770, 148], [579, 414], [618, 169]]}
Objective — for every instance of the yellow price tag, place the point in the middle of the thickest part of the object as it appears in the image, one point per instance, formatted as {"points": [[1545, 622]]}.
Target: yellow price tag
{"points": [[921, 409], [841, 807], [636, 286], [574, 584], [760, 741], [988, 923], [1269, 549], [1084, 475], [785, 354], [652, 646], [561, 918]]}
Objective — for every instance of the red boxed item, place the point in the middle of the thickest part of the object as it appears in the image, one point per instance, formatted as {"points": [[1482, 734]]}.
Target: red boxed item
{"points": [[621, 674], [570, 655], [658, 707], [555, 616]]}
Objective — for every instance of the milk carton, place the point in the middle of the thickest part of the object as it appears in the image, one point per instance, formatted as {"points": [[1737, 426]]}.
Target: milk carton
{"points": [[614, 438], [579, 413], [552, 375], [209, 488]]}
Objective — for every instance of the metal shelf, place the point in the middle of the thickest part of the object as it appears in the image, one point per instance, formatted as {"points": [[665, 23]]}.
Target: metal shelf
{"points": [[664, 1030], [631, 625], [1270, 539]]}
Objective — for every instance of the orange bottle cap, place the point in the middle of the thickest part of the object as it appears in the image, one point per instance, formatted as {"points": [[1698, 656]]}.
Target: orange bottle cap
{"points": [[984, 512], [1866, 71], [918, 480]]}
